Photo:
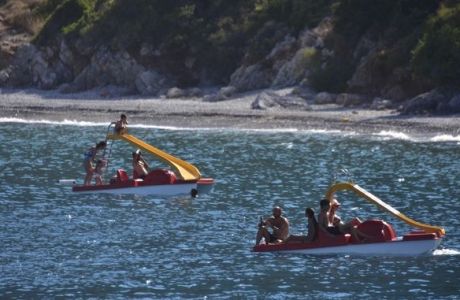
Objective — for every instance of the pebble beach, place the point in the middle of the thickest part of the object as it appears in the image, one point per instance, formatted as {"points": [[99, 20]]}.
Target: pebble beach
{"points": [[231, 113]]}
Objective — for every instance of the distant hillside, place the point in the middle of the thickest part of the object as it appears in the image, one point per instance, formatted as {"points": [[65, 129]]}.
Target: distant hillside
{"points": [[392, 49]]}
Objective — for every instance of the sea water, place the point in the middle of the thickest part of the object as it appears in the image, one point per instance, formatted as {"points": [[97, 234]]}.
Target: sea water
{"points": [[55, 244]]}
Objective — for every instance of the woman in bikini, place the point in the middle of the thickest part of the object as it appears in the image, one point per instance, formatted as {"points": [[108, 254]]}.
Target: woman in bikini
{"points": [[88, 161]]}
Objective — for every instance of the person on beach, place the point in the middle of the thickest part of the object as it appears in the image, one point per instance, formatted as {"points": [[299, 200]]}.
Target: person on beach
{"points": [[312, 229], [100, 165], [140, 166], [279, 226], [88, 161], [121, 125]]}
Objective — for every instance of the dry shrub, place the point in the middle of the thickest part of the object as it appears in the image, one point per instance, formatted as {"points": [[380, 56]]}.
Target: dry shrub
{"points": [[20, 14]]}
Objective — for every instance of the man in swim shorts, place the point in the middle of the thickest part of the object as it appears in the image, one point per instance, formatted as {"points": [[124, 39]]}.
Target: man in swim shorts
{"points": [[279, 226]]}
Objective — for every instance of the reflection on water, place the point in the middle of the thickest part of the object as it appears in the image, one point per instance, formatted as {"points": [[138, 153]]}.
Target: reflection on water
{"points": [[57, 244]]}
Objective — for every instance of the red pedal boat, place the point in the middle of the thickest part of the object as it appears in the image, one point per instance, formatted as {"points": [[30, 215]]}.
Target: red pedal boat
{"points": [[384, 240], [183, 178]]}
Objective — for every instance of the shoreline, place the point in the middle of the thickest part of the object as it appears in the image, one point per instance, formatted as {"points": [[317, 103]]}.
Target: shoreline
{"points": [[232, 113]]}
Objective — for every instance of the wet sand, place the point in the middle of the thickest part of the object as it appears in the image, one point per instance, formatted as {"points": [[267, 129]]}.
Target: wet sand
{"points": [[233, 113]]}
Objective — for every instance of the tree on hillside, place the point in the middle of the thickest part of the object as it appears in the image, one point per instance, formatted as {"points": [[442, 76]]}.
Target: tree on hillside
{"points": [[437, 55]]}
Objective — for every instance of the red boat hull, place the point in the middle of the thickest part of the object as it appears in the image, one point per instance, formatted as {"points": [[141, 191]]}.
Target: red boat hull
{"points": [[384, 242]]}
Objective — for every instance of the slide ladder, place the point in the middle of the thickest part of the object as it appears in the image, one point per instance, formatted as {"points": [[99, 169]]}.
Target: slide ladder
{"points": [[184, 170], [377, 201]]}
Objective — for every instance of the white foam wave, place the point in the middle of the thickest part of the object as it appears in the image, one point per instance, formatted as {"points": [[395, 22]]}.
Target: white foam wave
{"points": [[445, 138], [171, 128], [87, 123], [326, 131], [388, 135], [216, 129], [144, 126], [50, 122], [394, 135], [446, 252]]}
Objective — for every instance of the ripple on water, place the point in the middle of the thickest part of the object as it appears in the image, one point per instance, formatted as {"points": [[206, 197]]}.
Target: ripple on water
{"points": [[56, 244]]}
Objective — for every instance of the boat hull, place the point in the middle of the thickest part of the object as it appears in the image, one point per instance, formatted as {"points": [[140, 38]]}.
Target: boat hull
{"points": [[135, 187], [398, 247]]}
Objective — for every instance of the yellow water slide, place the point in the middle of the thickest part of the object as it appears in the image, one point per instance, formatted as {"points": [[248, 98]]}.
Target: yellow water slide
{"points": [[375, 200], [185, 170]]}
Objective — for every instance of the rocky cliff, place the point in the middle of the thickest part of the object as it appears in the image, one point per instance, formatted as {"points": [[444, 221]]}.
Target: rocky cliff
{"points": [[382, 54]]}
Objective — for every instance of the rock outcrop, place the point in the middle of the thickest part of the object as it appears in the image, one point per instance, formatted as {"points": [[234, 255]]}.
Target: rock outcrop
{"points": [[268, 100], [150, 82], [436, 101], [288, 63], [108, 67]]}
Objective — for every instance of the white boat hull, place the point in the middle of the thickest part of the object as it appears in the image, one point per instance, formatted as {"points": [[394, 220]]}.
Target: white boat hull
{"points": [[381, 240], [160, 190], [139, 187], [393, 248]]}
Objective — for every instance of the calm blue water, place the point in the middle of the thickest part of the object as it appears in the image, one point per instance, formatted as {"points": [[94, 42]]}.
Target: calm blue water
{"points": [[58, 245]]}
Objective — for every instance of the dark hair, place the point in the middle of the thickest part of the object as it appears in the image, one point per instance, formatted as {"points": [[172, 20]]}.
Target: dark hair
{"points": [[194, 193], [101, 144], [309, 212], [324, 202], [122, 116]]}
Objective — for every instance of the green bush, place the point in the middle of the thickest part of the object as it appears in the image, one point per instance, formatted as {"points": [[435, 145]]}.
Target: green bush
{"points": [[392, 25], [332, 76], [65, 18], [297, 14], [353, 18], [437, 55]]}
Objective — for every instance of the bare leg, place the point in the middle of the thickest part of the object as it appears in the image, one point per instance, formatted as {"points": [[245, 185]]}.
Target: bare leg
{"points": [[88, 178], [262, 233], [89, 173]]}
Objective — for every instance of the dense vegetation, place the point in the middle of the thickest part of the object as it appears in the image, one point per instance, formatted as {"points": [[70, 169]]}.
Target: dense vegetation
{"points": [[393, 25], [218, 33], [437, 54], [422, 36]]}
